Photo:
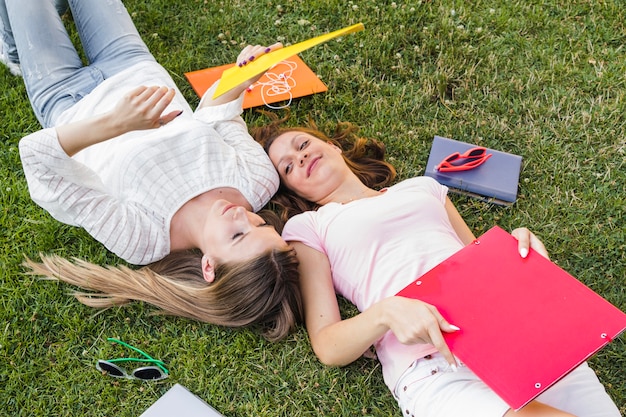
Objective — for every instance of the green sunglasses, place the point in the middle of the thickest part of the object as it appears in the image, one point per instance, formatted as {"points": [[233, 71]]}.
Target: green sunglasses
{"points": [[146, 373]]}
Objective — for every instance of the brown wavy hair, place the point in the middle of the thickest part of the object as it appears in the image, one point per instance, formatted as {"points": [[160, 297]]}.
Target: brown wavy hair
{"points": [[364, 156], [262, 293]]}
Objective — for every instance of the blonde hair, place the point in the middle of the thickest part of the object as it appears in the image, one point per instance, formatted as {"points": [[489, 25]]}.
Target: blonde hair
{"points": [[364, 156], [262, 292]]}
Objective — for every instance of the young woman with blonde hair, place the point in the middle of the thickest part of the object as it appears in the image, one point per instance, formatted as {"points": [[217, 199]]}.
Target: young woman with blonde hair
{"points": [[366, 240], [122, 155]]}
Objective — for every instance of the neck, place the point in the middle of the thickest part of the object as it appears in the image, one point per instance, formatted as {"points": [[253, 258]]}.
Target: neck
{"points": [[188, 225], [348, 193]]}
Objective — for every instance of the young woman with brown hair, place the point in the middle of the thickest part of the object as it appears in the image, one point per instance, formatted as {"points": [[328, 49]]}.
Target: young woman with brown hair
{"points": [[122, 155], [366, 240]]}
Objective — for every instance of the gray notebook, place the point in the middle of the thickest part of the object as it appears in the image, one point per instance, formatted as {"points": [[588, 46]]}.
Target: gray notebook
{"points": [[178, 401], [495, 181]]}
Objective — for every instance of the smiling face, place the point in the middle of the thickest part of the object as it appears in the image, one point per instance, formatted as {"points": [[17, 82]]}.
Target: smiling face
{"points": [[235, 234], [310, 167]]}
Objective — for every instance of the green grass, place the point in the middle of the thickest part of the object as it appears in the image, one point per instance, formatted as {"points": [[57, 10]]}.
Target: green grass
{"points": [[545, 80]]}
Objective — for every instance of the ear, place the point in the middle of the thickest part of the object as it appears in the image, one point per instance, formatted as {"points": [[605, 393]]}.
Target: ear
{"points": [[208, 270]]}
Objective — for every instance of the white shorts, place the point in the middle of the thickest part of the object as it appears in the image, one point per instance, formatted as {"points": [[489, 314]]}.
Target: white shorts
{"points": [[429, 388]]}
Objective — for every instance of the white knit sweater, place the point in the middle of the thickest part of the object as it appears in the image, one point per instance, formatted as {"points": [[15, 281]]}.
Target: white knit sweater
{"points": [[125, 191]]}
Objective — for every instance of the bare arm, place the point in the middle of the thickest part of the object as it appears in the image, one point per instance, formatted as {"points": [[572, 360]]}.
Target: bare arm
{"points": [[140, 109], [460, 227], [339, 342], [526, 239]]}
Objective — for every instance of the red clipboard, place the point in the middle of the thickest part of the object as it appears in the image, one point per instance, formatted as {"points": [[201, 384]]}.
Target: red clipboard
{"points": [[287, 80], [525, 322]]}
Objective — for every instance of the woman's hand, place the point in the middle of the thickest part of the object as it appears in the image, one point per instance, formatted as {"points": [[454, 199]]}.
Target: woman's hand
{"points": [[413, 321], [246, 56], [249, 54], [526, 239], [142, 108]]}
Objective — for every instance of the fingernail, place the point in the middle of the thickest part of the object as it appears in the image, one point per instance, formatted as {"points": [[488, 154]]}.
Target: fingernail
{"points": [[251, 58], [240, 64], [179, 113], [244, 62], [523, 252], [454, 368], [267, 50], [453, 327]]}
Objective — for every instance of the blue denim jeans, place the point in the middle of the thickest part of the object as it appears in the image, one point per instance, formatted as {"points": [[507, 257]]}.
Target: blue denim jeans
{"points": [[7, 34], [54, 74]]}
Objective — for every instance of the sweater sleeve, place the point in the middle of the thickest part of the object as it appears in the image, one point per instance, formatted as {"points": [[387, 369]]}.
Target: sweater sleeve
{"points": [[261, 179], [227, 121], [74, 194], [220, 112]]}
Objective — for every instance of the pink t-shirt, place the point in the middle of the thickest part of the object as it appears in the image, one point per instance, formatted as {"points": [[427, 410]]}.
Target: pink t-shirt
{"points": [[377, 246]]}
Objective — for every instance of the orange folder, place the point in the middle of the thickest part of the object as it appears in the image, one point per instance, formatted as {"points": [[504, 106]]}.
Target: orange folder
{"points": [[287, 80], [525, 323]]}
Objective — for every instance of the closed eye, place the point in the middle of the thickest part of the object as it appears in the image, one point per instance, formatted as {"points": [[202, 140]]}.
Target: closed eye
{"points": [[241, 234]]}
